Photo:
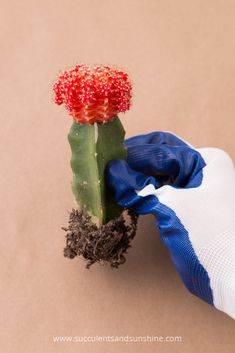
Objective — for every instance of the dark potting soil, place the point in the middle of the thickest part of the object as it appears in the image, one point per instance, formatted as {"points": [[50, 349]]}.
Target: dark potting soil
{"points": [[105, 244]]}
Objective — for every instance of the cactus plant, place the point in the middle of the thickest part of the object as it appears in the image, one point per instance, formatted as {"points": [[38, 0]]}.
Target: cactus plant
{"points": [[94, 96], [103, 142]]}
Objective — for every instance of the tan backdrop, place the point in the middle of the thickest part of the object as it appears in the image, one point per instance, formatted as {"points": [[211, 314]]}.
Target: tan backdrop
{"points": [[180, 55]]}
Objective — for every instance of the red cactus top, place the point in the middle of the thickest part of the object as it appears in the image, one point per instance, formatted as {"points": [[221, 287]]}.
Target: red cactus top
{"points": [[93, 94]]}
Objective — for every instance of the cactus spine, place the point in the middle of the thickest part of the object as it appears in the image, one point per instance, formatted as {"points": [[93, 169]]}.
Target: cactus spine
{"points": [[93, 146]]}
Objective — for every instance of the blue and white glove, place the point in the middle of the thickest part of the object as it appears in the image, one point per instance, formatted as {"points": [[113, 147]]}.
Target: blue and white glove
{"points": [[192, 193]]}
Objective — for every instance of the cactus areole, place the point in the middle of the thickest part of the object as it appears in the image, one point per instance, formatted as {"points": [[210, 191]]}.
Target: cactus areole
{"points": [[93, 96]]}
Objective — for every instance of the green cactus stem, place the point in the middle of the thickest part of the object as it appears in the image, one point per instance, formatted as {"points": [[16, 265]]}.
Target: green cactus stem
{"points": [[93, 146]]}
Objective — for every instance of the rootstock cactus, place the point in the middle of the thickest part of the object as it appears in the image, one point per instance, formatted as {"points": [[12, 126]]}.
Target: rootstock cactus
{"points": [[94, 96]]}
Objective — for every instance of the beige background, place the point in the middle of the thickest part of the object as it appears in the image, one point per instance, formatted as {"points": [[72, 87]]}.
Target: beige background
{"points": [[180, 55]]}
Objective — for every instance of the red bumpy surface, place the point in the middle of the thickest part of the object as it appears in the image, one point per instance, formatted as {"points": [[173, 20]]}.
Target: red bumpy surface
{"points": [[94, 94]]}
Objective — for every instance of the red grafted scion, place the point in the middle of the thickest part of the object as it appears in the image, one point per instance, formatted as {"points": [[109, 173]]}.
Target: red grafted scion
{"points": [[93, 94]]}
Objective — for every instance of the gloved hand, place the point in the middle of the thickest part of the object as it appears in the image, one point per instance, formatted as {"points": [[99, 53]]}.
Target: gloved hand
{"points": [[192, 193]]}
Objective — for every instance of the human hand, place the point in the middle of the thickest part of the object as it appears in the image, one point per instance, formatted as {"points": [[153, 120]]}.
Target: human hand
{"points": [[192, 193]]}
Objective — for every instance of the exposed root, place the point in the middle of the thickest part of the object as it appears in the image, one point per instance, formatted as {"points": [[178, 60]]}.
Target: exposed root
{"points": [[107, 243]]}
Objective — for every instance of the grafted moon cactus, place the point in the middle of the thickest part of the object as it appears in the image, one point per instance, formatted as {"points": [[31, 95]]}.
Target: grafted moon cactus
{"points": [[93, 97]]}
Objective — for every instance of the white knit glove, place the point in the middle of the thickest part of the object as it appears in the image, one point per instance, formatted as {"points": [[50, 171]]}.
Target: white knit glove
{"points": [[195, 210]]}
